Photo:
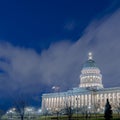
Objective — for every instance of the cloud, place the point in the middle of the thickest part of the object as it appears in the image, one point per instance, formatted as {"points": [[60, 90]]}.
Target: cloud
{"points": [[29, 72]]}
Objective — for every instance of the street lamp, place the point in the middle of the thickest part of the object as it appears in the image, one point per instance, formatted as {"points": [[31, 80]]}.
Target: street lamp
{"points": [[57, 89], [93, 101], [77, 106]]}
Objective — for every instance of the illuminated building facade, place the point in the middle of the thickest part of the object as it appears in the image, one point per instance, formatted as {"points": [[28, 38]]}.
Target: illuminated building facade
{"points": [[90, 94]]}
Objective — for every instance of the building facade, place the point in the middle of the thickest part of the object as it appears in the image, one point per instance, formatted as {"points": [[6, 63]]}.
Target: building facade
{"points": [[90, 94]]}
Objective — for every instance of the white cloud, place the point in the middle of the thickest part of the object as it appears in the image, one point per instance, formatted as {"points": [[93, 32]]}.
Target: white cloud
{"points": [[61, 63]]}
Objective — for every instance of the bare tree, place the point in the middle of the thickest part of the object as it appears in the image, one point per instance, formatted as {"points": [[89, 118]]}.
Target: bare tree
{"points": [[84, 111], [116, 107], [96, 107], [57, 113], [20, 105], [1, 113], [69, 110], [45, 113], [118, 110]]}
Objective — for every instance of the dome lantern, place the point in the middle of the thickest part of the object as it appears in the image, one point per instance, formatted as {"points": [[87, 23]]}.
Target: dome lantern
{"points": [[90, 56]]}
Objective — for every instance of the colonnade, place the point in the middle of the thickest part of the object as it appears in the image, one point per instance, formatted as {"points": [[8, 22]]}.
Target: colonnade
{"points": [[79, 100]]}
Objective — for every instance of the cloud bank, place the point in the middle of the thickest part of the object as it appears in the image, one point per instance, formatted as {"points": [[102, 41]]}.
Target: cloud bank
{"points": [[25, 70]]}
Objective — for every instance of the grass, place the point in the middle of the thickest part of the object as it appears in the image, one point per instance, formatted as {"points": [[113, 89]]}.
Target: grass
{"points": [[80, 117], [74, 117]]}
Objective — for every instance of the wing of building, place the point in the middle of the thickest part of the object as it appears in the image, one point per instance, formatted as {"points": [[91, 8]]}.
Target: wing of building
{"points": [[90, 94]]}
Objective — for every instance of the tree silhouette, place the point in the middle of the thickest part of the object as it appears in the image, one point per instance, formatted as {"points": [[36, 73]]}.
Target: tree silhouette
{"points": [[108, 111], [1, 113], [20, 104], [20, 108], [68, 110]]}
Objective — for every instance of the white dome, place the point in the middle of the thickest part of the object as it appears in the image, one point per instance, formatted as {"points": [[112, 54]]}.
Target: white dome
{"points": [[90, 74]]}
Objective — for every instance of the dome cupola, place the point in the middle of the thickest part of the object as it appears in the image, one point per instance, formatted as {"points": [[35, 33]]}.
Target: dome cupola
{"points": [[90, 74]]}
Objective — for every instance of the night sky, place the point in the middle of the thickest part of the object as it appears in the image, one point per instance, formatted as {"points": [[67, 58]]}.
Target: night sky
{"points": [[44, 43]]}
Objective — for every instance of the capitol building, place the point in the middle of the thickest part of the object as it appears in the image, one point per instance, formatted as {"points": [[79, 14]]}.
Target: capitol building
{"points": [[90, 94]]}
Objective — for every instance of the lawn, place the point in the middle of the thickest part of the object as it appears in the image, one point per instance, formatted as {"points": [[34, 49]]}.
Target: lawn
{"points": [[80, 117]]}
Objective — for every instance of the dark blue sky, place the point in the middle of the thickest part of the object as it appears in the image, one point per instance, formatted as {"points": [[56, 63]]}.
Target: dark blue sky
{"points": [[37, 24], [40, 46]]}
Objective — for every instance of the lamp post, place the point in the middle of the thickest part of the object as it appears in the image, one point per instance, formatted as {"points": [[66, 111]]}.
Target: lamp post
{"points": [[46, 112], [93, 101], [77, 106], [57, 89]]}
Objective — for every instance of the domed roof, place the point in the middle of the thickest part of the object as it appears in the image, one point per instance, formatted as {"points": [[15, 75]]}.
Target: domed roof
{"points": [[89, 63], [90, 74]]}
